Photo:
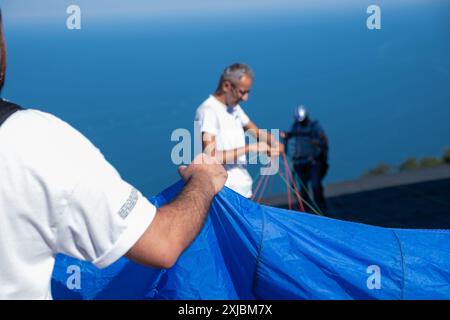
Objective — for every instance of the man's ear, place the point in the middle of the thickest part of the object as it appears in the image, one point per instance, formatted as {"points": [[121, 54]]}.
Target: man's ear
{"points": [[226, 86]]}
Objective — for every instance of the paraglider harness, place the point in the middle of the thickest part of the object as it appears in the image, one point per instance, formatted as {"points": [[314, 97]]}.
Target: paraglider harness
{"points": [[7, 109], [323, 160], [303, 140]]}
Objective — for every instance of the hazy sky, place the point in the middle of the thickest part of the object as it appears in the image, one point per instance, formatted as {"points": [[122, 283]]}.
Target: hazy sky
{"points": [[22, 10]]}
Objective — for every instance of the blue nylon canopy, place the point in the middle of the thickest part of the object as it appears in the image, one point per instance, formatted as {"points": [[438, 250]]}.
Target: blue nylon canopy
{"points": [[250, 251]]}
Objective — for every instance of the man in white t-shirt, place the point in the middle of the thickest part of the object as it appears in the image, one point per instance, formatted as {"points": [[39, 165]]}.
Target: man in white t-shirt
{"points": [[58, 194], [221, 123]]}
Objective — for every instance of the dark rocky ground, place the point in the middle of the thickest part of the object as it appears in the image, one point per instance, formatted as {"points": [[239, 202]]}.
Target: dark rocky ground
{"points": [[418, 199]]}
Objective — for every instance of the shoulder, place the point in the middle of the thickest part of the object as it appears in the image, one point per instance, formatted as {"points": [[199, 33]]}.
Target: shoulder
{"points": [[316, 127], [295, 126], [207, 109], [38, 124], [36, 117], [245, 120], [209, 103], [42, 137], [241, 113], [32, 124], [33, 115], [42, 146], [315, 124]]}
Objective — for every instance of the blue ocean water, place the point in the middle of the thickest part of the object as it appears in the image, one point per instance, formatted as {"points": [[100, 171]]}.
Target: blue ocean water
{"points": [[128, 82]]}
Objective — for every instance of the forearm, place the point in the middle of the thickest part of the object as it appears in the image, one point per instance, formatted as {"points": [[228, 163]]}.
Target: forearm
{"points": [[231, 156], [174, 226], [288, 135], [222, 156], [266, 137], [184, 217]]}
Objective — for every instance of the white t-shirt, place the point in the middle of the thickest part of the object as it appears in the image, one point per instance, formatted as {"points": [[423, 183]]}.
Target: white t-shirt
{"points": [[58, 194], [226, 124]]}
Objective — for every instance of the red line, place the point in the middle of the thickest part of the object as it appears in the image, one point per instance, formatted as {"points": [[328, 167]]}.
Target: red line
{"points": [[287, 185], [263, 188], [291, 180], [269, 189], [257, 187]]}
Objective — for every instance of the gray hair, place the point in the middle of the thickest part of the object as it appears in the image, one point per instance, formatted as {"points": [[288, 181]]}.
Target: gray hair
{"points": [[235, 72]]}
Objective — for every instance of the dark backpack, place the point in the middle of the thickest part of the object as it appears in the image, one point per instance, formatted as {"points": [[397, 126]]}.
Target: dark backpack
{"points": [[7, 109], [304, 150]]}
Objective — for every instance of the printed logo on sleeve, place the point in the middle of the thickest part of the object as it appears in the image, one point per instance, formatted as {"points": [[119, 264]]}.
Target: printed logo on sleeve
{"points": [[129, 204]]}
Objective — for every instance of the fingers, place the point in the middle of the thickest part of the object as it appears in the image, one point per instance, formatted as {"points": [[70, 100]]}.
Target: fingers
{"points": [[181, 169], [183, 172], [274, 153], [203, 158]]}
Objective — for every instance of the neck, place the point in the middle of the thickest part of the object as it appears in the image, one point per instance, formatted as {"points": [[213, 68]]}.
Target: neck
{"points": [[221, 97]]}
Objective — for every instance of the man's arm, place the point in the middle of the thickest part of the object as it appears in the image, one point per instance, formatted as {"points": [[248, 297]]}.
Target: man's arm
{"points": [[324, 139], [264, 136], [286, 135], [229, 156], [177, 224]]}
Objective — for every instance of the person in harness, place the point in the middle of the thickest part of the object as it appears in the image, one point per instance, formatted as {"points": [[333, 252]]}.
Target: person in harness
{"points": [[310, 155]]}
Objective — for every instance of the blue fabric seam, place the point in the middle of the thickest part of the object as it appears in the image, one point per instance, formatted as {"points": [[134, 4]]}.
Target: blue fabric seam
{"points": [[403, 265], [263, 228]]}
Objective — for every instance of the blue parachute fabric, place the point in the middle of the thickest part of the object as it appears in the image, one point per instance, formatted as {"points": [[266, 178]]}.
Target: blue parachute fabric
{"points": [[249, 251]]}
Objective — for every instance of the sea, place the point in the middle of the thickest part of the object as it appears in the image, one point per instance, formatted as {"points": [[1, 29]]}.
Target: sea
{"points": [[127, 79]]}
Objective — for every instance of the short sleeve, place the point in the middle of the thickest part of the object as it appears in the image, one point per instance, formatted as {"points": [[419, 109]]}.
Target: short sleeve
{"points": [[207, 121], [242, 116], [104, 216]]}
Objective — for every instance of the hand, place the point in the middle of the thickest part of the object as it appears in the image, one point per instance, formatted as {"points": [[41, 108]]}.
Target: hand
{"points": [[283, 135], [280, 147], [206, 169], [273, 152], [259, 147], [276, 148]]}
